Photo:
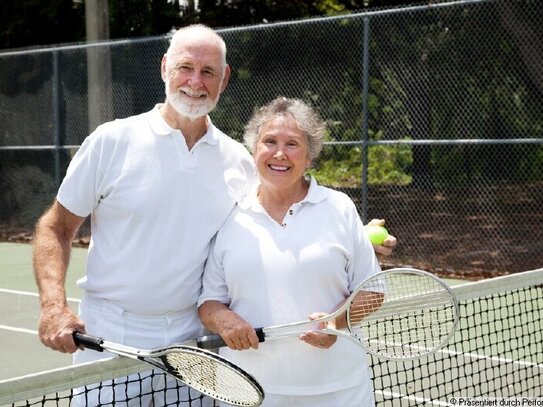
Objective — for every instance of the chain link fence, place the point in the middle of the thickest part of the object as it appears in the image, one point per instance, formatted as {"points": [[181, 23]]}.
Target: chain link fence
{"points": [[435, 119]]}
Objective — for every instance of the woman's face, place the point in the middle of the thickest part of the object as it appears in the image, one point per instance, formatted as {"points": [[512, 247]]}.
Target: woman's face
{"points": [[281, 153]]}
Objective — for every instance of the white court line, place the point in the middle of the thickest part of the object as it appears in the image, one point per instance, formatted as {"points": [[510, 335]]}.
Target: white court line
{"points": [[413, 398], [15, 329], [476, 356], [28, 294], [31, 294], [492, 358]]}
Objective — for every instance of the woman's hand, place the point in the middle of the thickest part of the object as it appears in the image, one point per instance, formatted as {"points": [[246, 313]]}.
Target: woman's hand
{"points": [[320, 340]]}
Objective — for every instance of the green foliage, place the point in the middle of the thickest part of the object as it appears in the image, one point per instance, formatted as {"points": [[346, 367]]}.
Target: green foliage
{"points": [[137, 18], [386, 165]]}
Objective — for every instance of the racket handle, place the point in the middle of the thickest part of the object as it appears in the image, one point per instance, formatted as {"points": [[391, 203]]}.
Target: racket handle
{"points": [[88, 341], [216, 341]]}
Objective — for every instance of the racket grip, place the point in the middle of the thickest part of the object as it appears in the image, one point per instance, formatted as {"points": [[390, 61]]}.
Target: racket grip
{"points": [[210, 342], [88, 341], [216, 341]]}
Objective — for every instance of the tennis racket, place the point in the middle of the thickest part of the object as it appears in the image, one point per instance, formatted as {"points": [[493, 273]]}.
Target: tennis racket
{"points": [[200, 369], [400, 314]]}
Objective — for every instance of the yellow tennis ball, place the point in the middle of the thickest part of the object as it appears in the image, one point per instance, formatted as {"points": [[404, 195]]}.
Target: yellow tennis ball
{"points": [[376, 234]]}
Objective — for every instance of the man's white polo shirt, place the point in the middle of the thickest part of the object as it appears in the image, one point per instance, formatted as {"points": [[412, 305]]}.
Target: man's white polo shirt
{"points": [[154, 208]]}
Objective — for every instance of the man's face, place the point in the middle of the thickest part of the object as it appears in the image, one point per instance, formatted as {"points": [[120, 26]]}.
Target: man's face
{"points": [[195, 76]]}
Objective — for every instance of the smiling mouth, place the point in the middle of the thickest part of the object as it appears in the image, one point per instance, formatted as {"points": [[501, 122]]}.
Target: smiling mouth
{"points": [[281, 168], [197, 95]]}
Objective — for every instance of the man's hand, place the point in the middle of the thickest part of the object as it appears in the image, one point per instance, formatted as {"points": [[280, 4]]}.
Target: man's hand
{"points": [[389, 243], [56, 327], [237, 333]]}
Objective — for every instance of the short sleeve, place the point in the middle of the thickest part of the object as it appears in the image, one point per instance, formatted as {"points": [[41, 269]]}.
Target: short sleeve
{"points": [[78, 192], [214, 286]]}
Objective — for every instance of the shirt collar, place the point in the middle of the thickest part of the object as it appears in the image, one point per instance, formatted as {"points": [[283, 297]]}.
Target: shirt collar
{"points": [[161, 127], [315, 194]]}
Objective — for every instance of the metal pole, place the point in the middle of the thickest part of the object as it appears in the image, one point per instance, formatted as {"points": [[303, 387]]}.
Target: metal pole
{"points": [[56, 117], [365, 116]]}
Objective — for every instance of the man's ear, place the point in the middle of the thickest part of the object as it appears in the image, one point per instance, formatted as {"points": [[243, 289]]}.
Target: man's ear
{"points": [[226, 78], [163, 68]]}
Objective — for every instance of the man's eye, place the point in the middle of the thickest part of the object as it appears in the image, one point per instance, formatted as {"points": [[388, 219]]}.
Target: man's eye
{"points": [[184, 68], [208, 72]]}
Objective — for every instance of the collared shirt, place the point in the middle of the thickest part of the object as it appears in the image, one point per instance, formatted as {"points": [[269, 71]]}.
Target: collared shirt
{"points": [[274, 273], [155, 206]]}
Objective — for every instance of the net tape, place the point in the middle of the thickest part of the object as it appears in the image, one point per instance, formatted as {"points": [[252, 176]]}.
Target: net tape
{"points": [[496, 352]]}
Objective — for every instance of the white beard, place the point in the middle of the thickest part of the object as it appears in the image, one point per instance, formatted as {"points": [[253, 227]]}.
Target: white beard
{"points": [[190, 107]]}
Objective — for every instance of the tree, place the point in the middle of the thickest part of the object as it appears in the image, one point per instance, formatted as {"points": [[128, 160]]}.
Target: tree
{"points": [[35, 22]]}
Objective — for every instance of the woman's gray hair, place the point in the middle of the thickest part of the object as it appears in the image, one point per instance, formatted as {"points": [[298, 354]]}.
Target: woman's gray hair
{"points": [[307, 119]]}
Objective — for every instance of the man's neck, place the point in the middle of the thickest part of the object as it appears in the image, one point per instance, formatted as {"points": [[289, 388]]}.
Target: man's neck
{"points": [[193, 129]]}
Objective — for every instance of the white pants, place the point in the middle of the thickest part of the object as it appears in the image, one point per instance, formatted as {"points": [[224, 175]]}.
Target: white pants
{"points": [[114, 324]]}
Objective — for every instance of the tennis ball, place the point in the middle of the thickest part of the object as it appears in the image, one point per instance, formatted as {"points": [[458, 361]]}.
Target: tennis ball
{"points": [[376, 234]]}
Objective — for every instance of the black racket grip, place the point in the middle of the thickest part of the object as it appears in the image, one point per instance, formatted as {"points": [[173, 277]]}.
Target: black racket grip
{"points": [[216, 341], [88, 341]]}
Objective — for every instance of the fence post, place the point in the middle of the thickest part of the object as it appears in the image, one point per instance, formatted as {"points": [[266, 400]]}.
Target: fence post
{"points": [[56, 117], [365, 116]]}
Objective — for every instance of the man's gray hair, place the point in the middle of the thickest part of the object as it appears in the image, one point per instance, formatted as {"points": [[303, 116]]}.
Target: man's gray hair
{"points": [[307, 119], [177, 38]]}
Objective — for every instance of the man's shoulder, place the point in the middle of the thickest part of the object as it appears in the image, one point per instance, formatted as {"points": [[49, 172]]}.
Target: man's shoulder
{"points": [[134, 121], [121, 130], [230, 145]]}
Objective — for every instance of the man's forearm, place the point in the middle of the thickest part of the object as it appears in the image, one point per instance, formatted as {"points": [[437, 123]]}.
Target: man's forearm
{"points": [[51, 258], [52, 248]]}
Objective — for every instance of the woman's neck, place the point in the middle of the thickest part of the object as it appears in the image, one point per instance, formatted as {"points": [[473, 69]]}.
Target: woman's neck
{"points": [[277, 201]]}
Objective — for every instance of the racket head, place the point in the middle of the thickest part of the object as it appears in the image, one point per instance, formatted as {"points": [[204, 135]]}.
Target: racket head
{"points": [[402, 314], [212, 375]]}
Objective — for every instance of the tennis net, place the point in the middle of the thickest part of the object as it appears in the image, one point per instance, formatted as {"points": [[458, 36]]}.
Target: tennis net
{"points": [[496, 352]]}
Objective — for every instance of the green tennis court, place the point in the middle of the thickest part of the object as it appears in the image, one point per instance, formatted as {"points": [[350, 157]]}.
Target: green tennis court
{"points": [[22, 353]]}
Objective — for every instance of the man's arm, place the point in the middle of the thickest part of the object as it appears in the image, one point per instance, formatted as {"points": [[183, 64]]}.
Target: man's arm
{"points": [[236, 332], [53, 238]]}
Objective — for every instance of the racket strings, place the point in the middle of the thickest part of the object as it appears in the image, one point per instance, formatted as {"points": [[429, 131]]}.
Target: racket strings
{"points": [[395, 306], [214, 377], [414, 315]]}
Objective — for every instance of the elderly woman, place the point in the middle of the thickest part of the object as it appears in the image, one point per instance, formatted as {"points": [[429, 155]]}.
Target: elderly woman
{"points": [[290, 250]]}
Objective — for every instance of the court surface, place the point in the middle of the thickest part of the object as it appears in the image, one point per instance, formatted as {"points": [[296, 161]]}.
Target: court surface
{"points": [[21, 351]]}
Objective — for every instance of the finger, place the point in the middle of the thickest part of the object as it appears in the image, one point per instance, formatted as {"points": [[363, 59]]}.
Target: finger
{"points": [[390, 241], [382, 250], [326, 341], [317, 315], [376, 222], [253, 340], [322, 341]]}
